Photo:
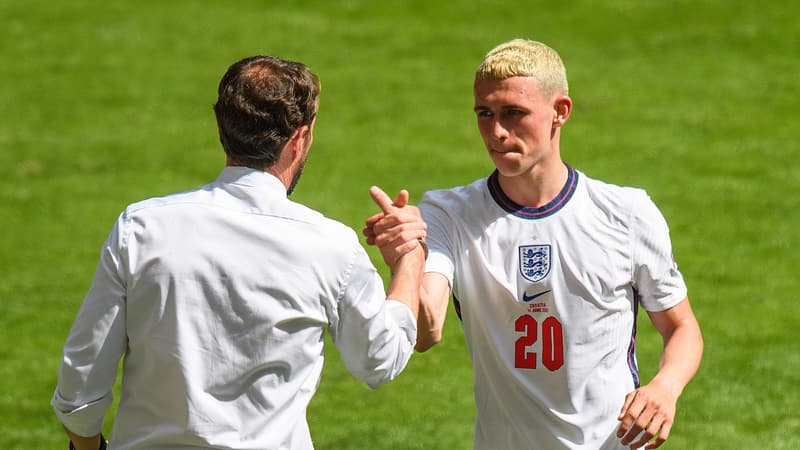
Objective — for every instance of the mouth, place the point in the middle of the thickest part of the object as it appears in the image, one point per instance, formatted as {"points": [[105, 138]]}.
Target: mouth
{"points": [[500, 151]]}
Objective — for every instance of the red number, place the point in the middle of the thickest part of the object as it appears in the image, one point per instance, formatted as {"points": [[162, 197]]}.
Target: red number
{"points": [[522, 358], [552, 343]]}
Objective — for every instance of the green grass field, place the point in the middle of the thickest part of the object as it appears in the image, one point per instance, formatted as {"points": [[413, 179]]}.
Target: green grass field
{"points": [[106, 103]]}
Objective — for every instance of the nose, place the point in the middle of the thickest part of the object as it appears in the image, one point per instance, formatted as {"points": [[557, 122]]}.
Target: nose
{"points": [[498, 131]]}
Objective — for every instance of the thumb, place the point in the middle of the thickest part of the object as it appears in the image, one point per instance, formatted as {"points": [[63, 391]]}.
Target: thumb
{"points": [[402, 199], [381, 199]]}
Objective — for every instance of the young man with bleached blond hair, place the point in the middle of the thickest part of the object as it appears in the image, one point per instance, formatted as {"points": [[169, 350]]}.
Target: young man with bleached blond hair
{"points": [[547, 269]]}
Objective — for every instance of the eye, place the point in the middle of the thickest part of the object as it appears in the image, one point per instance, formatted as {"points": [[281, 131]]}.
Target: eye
{"points": [[515, 112], [483, 113]]}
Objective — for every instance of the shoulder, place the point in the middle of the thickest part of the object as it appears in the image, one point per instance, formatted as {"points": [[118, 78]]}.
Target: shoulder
{"points": [[631, 205], [154, 203], [225, 198], [625, 201], [212, 202], [337, 230], [625, 197], [322, 233], [456, 198], [319, 230]]}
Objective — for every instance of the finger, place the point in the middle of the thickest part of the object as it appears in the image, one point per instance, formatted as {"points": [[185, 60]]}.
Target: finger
{"points": [[644, 422], [663, 434], [381, 199], [402, 199], [373, 219], [397, 222], [626, 416], [639, 424], [628, 438], [369, 233], [386, 223], [643, 439], [406, 247], [628, 400], [403, 233]]}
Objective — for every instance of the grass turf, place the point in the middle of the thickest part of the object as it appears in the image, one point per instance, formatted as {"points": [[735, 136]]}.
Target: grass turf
{"points": [[105, 103]]}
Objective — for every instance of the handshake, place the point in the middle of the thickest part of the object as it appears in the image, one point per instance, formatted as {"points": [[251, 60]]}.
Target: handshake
{"points": [[397, 230]]}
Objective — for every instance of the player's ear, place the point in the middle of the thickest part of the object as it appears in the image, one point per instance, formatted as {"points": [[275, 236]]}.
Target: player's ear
{"points": [[562, 107]]}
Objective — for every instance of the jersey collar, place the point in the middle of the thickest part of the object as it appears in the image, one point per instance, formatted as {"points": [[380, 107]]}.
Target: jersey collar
{"points": [[528, 212]]}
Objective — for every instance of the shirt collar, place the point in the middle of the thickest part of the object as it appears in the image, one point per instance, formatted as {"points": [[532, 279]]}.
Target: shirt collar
{"points": [[528, 212], [246, 176]]}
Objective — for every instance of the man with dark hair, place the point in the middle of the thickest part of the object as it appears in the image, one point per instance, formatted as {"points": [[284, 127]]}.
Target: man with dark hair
{"points": [[262, 101], [218, 298]]}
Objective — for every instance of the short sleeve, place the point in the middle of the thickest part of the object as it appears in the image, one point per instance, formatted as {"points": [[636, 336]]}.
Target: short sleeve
{"points": [[440, 238], [657, 280]]}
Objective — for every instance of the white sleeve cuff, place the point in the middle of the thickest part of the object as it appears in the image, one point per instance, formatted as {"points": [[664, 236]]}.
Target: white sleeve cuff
{"points": [[85, 420], [404, 318]]}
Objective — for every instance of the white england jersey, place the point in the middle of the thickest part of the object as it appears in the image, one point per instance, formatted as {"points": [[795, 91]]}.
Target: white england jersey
{"points": [[548, 299]]}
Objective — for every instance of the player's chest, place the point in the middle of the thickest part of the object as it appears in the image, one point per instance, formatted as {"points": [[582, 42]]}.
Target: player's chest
{"points": [[533, 250]]}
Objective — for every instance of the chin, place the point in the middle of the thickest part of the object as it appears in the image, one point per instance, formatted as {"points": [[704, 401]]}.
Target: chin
{"points": [[505, 162]]}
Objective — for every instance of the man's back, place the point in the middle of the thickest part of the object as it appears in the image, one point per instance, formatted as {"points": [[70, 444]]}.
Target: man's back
{"points": [[218, 298], [222, 311], [221, 297]]}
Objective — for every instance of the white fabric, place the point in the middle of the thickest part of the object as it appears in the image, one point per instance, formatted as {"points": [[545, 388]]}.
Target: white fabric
{"points": [[218, 299], [601, 247]]}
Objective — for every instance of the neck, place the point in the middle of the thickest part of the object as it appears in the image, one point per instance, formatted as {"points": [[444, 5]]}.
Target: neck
{"points": [[537, 188]]}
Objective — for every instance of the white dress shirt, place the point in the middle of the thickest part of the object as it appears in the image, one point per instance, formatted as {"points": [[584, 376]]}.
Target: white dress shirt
{"points": [[217, 299]]}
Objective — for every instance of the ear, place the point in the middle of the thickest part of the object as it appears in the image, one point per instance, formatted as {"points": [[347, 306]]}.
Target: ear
{"points": [[562, 107], [299, 141]]}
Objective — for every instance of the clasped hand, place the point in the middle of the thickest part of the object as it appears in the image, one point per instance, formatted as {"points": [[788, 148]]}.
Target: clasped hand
{"points": [[397, 229]]}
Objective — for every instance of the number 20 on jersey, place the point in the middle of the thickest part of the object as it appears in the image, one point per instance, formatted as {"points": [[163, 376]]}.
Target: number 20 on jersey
{"points": [[551, 334]]}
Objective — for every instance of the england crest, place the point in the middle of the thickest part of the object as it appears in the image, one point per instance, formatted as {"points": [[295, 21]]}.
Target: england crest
{"points": [[534, 262]]}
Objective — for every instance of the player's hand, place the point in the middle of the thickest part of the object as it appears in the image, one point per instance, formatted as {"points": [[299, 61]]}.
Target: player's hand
{"points": [[649, 411], [397, 229], [385, 203]]}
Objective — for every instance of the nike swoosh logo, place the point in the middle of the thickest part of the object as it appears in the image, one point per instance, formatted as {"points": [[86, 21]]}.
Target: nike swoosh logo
{"points": [[527, 298]]}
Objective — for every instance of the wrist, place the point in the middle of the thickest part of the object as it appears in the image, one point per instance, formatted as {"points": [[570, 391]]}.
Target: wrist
{"points": [[424, 246], [101, 446], [668, 385]]}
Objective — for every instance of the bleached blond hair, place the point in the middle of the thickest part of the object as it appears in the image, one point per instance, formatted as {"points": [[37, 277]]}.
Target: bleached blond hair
{"points": [[525, 58]]}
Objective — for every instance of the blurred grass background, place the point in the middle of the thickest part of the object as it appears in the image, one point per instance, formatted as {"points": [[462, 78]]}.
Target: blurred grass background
{"points": [[106, 103]]}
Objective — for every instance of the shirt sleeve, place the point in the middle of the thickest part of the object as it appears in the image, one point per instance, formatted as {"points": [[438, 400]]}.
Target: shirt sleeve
{"points": [[440, 241], [375, 336], [658, 283], [94, 346]]}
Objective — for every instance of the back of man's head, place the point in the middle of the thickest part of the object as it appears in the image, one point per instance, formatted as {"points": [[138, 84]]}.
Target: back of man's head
{"points": [[262, 101]]}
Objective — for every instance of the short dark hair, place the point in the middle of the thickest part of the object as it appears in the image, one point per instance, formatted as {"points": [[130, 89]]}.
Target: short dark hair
{"points": [[261, 101]]}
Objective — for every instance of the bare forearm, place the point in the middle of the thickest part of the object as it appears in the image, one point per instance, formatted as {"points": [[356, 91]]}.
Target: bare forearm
{"points": [[406, 279], [434, 298], [683, 351], [428, 332]]}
